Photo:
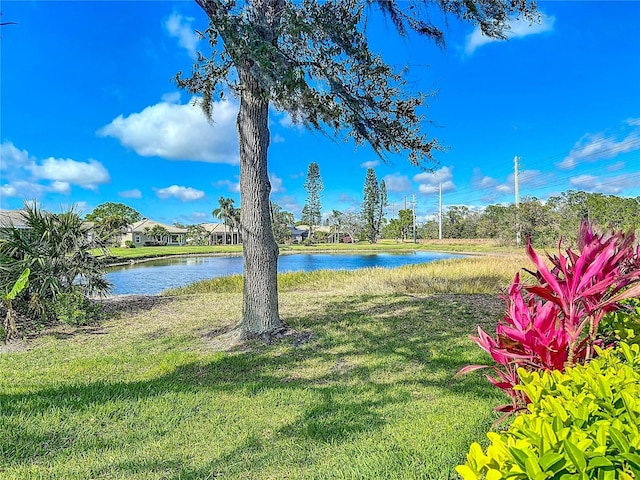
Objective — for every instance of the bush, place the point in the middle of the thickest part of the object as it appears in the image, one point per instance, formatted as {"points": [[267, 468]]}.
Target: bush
{"points": [[553, 323], [581, 424], [622, 325], [73, 308], [61, 257], [129, 244]]}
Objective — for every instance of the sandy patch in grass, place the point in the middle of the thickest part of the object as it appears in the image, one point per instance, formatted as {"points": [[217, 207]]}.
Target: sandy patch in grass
{"points": [[13, 346]]}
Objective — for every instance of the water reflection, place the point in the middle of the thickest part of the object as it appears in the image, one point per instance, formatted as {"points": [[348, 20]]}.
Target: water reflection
{"points": [[150, 278]]}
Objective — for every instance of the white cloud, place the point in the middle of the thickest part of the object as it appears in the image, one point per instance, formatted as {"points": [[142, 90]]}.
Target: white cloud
{"points": [[175, 131], [397, 183], [481, 181], [8, 190], [60, 187], [370, 164], [616, 167], [634, 122], [180, 27], [186, 194], [608, 185], [505, 188], [529, 178], [135, 193], [289, 203], [171, 97], [519, 29], [286, 121], [10, 156], [82, 207], [200, 216], [28, 177], [276, 184], [85, 174], [277, 138], [22, 189], [430, 181], [593, 147], [427, 189], [228, 184]]}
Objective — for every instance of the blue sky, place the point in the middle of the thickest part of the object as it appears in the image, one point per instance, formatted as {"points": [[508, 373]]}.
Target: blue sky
{"points": [[89, 113]]}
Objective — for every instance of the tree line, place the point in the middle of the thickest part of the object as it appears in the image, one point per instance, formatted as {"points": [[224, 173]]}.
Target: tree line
{"points": [[544, 222]]}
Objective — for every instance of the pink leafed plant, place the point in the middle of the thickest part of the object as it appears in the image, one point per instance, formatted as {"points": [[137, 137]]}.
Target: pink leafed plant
{"points": [[553, 324]]}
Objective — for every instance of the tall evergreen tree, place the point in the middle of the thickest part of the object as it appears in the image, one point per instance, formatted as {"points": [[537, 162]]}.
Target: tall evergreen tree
{"points": [[373, 203], [312, 210], [382, 204], [312, 60]]}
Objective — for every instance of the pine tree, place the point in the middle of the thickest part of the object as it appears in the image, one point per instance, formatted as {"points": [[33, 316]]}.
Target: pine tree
{"points": [[312, 60], [312, 210], [371, 205], [383, 202]]}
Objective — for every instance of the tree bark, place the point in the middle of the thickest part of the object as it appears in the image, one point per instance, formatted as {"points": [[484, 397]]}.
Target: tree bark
{"points": [[260, 316]]}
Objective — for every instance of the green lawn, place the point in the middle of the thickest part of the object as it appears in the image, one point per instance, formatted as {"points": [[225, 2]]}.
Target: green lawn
{"points": [[448, 245], [150, 252], [364, 390]]}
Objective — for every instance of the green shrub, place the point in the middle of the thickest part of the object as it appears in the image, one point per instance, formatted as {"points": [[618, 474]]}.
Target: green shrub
{"points": [[73, 308], [622, 325], [581, 424], [129, 244]]}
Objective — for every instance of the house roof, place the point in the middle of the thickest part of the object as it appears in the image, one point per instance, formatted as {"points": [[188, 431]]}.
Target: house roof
{"points": [[217, 228], [316, 228], [15, 218], [146, 223]]}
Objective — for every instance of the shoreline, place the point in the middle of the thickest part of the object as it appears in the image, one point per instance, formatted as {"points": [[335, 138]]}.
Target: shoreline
{"points": [[122, 262]]}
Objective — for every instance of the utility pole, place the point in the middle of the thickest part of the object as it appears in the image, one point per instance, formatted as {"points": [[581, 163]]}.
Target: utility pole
{"points": [[440, 215], [415, 239], [516, 190]]}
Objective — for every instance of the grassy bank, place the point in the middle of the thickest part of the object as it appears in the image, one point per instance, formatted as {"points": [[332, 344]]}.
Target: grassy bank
{"points": [[448, 245], [365, 389], [477, 274], [153, 252]]}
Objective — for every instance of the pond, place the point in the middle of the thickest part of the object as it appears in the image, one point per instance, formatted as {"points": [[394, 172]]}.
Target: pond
{"points": [[151, 278]]}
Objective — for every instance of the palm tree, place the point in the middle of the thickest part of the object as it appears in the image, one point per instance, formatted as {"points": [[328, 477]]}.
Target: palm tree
{"points": [[57, 251], [334, 220], [226, 212]]}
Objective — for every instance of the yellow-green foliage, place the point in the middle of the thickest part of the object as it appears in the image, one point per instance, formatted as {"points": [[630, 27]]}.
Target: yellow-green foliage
{"points": [[582, 424]]}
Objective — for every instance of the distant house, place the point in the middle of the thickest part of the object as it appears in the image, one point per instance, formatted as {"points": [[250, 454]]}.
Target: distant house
{"points": [[16, 219], [298, 235], [221, 234], [136, 234], [327, 233], [12, 218]]}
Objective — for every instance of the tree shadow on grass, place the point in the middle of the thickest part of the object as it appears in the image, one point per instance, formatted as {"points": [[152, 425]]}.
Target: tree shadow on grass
{"points": [[425, 335]]}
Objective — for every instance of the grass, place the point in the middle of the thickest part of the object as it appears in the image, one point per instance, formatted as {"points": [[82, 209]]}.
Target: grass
{"points": [[366, 390], [448, 245], [477, 274], [152, 252]]}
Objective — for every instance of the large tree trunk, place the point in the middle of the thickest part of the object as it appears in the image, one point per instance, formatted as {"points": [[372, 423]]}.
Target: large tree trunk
{"points": [[260, 315]]}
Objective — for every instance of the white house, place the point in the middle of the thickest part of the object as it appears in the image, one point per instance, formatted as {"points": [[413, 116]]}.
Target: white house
{"points": [[221, 234], [136, 234]]}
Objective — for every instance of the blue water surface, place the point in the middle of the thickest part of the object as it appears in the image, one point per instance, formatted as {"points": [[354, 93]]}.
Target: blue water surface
{"points": [[150, 278]]}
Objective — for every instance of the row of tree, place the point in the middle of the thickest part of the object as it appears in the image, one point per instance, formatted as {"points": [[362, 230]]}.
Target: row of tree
{"points": [[544, 222], [541, 221]]}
